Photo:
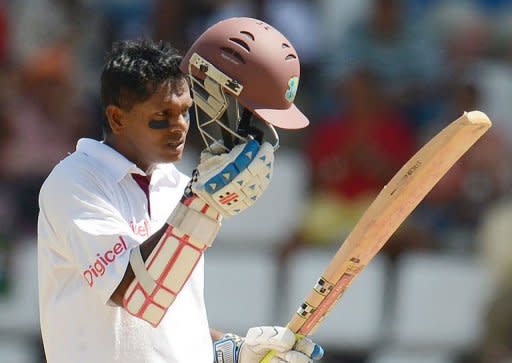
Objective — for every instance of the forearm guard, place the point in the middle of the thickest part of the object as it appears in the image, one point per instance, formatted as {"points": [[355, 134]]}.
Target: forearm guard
{"points": [[192, 228]]}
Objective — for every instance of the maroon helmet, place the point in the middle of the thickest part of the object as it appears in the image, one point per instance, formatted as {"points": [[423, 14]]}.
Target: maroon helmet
{"points": [[244, 61]]}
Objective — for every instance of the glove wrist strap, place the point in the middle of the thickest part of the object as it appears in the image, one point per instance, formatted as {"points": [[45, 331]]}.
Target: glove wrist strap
{"points": [[227, 348]]}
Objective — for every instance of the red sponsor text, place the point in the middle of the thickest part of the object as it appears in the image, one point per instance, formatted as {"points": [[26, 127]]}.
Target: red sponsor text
{"points": [[99, 266]]}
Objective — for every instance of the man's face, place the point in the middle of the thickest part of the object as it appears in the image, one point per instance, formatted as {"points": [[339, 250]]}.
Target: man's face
{"points": [[154, 131]]}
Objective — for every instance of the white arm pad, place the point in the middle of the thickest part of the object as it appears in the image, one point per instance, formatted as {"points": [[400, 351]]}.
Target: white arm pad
{"points": [[159, 280], [194, 217]]}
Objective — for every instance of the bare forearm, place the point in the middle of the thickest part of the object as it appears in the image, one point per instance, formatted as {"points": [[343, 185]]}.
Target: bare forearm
{"points": [[216, 334]]}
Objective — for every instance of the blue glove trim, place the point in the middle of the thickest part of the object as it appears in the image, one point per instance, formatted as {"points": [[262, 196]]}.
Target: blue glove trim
{"points": [[234, 168], [243, 160], [318, 352]]}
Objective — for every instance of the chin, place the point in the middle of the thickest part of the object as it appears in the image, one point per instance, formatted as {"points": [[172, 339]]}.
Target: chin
{"points": [[176, 159], [172, 157]]}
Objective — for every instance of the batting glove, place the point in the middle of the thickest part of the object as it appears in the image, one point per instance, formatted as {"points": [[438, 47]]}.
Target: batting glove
{"points": [[261, 340], [233, 181]]}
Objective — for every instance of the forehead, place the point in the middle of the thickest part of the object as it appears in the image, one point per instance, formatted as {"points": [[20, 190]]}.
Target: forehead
{"points": [[172, 93]]}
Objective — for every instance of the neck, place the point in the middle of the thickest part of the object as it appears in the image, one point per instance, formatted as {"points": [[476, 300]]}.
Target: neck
{"points": [[111, 141]]}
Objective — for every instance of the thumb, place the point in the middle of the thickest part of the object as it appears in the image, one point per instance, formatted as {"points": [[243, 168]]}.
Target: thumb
{"points": [[216, 148], [308, 347]]}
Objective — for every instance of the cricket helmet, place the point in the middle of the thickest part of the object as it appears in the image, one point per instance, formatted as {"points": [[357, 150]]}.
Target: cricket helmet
{"points": [[243, 67]]}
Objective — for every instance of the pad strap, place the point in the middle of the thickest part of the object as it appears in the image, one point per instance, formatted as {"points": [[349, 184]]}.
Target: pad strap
{"points": [[139, 269], [194, 217]]}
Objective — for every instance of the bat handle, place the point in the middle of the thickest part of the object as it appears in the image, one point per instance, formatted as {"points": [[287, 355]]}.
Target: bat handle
{"points": [[271, 354]]}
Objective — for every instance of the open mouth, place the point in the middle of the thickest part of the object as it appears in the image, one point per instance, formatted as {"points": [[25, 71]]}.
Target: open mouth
{"points": [[175, 143]]}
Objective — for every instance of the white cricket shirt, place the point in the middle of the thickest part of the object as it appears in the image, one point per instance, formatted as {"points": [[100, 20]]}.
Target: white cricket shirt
{"points": [[92, 212]]}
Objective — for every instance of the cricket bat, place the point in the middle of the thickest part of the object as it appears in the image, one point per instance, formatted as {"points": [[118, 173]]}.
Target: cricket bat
{"points": [[383, 217]]}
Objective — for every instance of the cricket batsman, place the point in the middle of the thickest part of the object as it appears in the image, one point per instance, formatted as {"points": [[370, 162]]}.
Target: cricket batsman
{"points": [[122, 232]]}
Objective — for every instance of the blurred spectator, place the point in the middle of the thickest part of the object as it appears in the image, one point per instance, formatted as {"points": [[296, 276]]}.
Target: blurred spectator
{"points": [[452, 210], [171, 21], [397, 49], [496, 345], [126, 18], [48, 83], [40, 24], [493, 235], [44, 120], [354, 151], [299, 21], [494, 74], [4, 34], [352, 155], [338, 17], [34, 24], [463, 32], [471, 81], [494, 248]]}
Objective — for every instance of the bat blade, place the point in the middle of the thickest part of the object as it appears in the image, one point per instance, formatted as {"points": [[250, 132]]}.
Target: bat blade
{"points": [[386, 213]]}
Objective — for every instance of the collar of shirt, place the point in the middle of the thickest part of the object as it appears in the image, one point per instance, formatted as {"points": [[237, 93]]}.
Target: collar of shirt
{"points": [[119, 166]]}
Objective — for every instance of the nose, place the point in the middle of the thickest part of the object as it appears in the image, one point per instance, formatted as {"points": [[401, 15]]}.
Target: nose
{"points": [[183, 121], [180, 124]]}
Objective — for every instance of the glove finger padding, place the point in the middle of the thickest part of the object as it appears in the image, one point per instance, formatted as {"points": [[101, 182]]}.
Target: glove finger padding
{"points": [[309, 348], [233, 181], [260, 340]]}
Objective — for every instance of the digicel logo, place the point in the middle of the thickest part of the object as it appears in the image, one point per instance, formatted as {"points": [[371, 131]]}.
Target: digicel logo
{"points": [[98, 267]]}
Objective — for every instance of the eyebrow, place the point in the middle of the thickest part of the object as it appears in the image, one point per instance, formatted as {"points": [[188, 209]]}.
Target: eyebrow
{"points": [[167, 109]]}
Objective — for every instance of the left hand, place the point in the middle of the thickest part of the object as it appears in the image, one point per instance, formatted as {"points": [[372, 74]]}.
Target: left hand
{"points": [[231, 182], [259, 341]]}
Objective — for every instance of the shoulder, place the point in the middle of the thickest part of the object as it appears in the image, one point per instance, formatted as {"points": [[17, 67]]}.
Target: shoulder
{"points": [[76, 172]]}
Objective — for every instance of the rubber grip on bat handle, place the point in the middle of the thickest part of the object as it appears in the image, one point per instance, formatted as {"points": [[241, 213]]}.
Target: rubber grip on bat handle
{"points": [[271, 354]]}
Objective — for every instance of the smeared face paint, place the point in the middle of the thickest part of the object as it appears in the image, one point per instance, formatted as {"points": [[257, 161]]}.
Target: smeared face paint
{"points": [[158, 124], [163, 124]]}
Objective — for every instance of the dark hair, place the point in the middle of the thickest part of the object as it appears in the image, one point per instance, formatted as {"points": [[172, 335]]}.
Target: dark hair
{"points": [[133, 71]]}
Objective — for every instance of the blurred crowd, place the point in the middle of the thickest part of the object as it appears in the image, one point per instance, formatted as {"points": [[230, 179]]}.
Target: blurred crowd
{"points": [[379, 78]]}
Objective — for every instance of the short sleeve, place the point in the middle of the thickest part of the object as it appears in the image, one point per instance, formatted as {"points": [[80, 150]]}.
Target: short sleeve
{"points": [[88, 230]]}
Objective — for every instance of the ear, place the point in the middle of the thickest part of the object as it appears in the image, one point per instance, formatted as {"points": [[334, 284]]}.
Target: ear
{"points": [[115, 119]]}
